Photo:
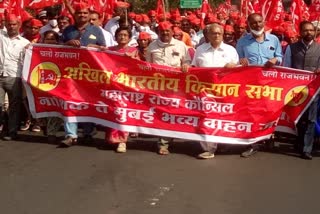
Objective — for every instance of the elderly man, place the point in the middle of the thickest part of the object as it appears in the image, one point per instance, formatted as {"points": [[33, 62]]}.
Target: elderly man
{"points": [[11, 62], [258, 48], [305, 55], [82, 33], [215, 53], [171, 52]]}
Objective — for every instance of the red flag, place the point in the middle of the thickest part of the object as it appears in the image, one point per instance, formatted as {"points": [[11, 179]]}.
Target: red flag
{"points": [[265, 7], [246, 8], [38, 4], [205, 9], [273, 17], [47, 76], [300, 12], [256, 6], [160, 7], [314, 10]]}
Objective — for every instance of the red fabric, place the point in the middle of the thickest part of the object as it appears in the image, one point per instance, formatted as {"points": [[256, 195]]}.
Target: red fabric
{"points": [[36, 23], [299, 11], [164, 25], [314, 10], [37, 4], [144, 35], [160, 8], [274, 15], [205, 9], [246, 8]]}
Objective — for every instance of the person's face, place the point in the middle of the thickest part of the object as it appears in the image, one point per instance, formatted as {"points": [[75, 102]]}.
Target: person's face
{"points": [[228, 36], [82, 16], [256, 23], [215, 35], [165, 35], [143, 43], [123, 37], [153, 18], [44, 20], [185, 26], [178, 36], [50, 39], [307, 32], [94, 19], [31, 30], [176, 23], [13, 27], [63, 23]]}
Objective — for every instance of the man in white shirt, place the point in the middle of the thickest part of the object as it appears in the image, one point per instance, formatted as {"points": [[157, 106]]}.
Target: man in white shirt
{"points": [[214, 53], [12, 49], [95, 19]]}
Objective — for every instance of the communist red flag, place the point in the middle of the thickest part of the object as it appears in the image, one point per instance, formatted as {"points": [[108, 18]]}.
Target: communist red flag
{"points": [[37, 4], [273, 17], [300, 12], [160, 7], [246, 8], [314, 10], [205, 9]]}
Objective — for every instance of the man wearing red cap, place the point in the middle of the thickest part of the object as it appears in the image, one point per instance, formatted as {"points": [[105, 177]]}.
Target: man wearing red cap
{"points": [[82, 33], [11, 62], [305, 55], [167, 51], [31, 30]]}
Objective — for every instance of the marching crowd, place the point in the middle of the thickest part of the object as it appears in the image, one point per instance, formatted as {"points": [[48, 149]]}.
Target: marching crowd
{"points": [[165, 39]]}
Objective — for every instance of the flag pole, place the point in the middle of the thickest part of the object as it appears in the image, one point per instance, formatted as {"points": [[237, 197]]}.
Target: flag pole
{"points": [[164, 10]]}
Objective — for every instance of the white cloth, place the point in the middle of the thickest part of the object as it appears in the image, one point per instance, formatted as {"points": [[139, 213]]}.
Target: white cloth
{"points": [[207, 56], [12, 52], [48, 27], [112, 25], [108, 37]]}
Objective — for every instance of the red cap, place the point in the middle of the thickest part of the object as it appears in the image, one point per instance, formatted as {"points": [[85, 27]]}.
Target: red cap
{"points": [[176, 17], [195, 21], [278, 30], [138, 18], [152, 13], [145, 18], [144, 35], [121, 4], [242, 22], [228, 28], [165, 25], [12, 17], [132, 15], [81, 6], [36, 23]]}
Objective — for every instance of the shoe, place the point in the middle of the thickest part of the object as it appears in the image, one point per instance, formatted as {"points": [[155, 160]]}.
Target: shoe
{"points": [[52, 139], [26, 126], [122, 148], [36, 128], [87, 139], [249, 152], [10, 137], [163, 151], [68, 141], [206, 155], [306, 156]]}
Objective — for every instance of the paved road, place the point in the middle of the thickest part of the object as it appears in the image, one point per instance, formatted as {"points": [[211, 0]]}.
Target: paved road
{"points": [[38, 178]]}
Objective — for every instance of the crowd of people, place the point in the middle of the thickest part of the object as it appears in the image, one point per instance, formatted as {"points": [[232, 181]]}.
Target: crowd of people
{"points": [[165, 39]]}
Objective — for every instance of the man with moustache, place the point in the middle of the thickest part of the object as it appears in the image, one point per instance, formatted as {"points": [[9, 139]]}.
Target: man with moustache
{"points": [[168, 51], [82, 33], [12, 49], [305, 55], [258, 48]]}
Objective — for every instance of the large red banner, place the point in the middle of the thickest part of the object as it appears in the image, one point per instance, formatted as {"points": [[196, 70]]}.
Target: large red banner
{"points": [[239, 105]]}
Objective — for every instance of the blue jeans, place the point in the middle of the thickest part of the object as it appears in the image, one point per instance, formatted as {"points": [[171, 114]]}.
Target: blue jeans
{"points": [[71, 129]]}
